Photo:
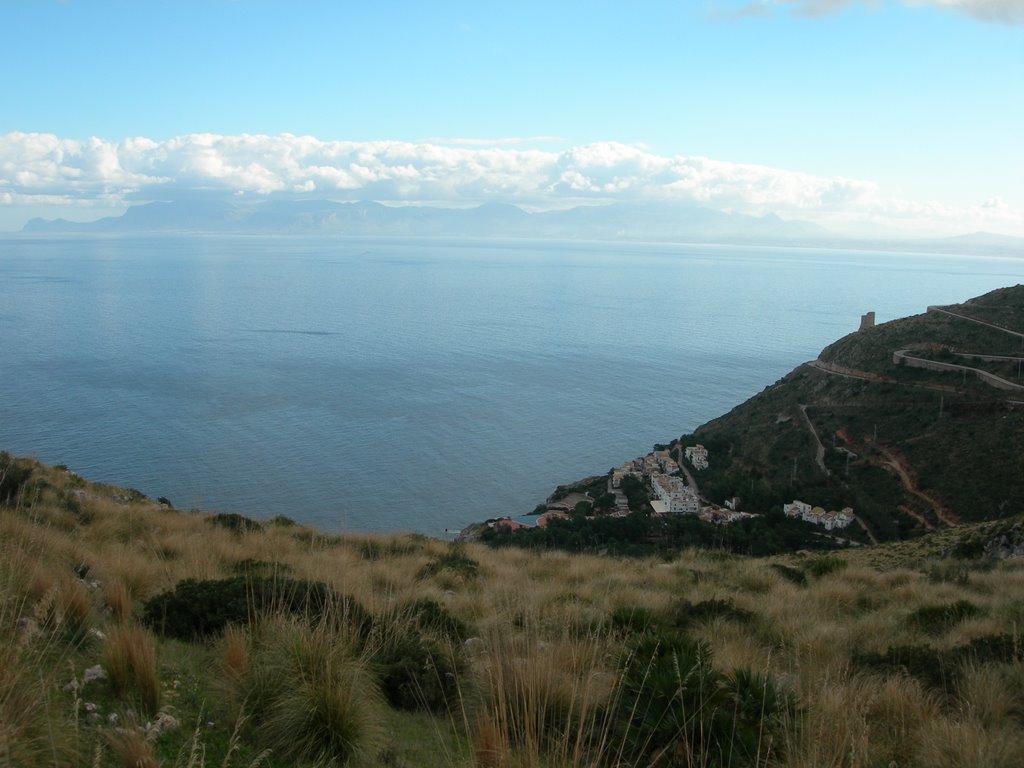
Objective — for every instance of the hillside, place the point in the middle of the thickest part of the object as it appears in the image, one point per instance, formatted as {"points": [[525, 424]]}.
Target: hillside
{"points": [[135, 635], [132, 634], [903, 428], [909, 448]]}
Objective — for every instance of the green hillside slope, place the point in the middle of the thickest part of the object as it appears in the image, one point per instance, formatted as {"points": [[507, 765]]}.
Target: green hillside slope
{"points": [[908, 448]]}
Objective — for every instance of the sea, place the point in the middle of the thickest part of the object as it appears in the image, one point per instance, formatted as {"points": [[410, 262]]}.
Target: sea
{"points": [[389, 384]]}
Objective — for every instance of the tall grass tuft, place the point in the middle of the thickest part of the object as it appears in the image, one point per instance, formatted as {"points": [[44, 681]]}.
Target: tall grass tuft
{"points": [[131, 747], [533, 702], [34, 731], [311, 699], [117, 599], [235, 651], [129, 657]]}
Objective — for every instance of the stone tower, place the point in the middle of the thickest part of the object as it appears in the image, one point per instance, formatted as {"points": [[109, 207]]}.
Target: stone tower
{"points": [[867, 321]]}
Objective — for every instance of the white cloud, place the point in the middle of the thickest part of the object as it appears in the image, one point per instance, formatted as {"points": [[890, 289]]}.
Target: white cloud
{"points": [[1004, 11], [43, 170], [1001, 11]]}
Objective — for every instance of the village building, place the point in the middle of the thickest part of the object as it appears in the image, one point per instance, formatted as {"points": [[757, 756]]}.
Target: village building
{"points": [[676, 494], [830, 520], [697, 455]]}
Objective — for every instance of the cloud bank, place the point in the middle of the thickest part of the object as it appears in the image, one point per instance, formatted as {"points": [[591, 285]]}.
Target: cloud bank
{"points": [[44, 170]]}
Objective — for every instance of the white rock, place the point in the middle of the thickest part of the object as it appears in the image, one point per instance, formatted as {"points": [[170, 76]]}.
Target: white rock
{"points": [[94, 673], [164, 723]]}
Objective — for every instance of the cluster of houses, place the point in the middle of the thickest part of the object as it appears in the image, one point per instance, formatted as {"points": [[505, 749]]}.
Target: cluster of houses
{"points": [[670, 492], [818, 515]]}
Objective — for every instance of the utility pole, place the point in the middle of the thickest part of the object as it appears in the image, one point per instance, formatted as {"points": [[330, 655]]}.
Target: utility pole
{"points": [[793, 479], [942, 402]]}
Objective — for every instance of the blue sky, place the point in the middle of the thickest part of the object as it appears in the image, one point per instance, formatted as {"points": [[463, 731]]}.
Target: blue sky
{"points": [[900, 116]]}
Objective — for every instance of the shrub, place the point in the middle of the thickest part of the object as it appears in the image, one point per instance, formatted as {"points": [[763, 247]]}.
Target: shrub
{"points": [[235, 523], [761, 710], [13, 475], [433, 618], [676, 710], [195, 609], [687, 614], [788, 572], [824, 565], [936, 619], [250, 566], [940, 669], [415, 673], [631, 618], [454, 561], [667, 690]]}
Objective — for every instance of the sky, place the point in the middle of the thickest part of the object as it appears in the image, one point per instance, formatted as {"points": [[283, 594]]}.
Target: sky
{"points": [[892, 117]]}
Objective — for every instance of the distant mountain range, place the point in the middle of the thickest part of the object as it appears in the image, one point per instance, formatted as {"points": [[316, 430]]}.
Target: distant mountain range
{"points": [[659, 222], [637, 222]]}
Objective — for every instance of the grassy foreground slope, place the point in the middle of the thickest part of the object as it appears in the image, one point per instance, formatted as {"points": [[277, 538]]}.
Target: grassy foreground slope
{"points": [[135, 635], [910, 449]]}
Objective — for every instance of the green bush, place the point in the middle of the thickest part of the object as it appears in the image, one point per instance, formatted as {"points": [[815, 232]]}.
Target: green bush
{"points": [[790, 573], [632, 618], [824, 565], [415, 673], [250, 566], [196, 609], [235, 523], [940, 668], [433, 618], [930, 666], [14, 473], [686, 613], [454, 561], [936, 619], [676, 711]]}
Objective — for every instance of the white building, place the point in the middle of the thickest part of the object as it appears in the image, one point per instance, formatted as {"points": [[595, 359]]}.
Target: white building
{"points": [[680, 498], [697, 455], [819, 515]]}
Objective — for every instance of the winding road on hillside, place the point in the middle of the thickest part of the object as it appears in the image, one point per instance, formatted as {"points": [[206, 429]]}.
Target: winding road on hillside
{"points": [[819, 456], [910, 486]]}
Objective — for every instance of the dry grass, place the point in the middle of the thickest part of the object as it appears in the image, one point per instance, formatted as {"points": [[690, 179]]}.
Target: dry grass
{"points": [[131, 747], [549, 668], [117, 600], [236, 652], [129, 656]]}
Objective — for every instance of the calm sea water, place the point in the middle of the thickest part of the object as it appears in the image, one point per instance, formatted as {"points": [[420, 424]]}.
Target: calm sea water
{"points": [[379, 385]]}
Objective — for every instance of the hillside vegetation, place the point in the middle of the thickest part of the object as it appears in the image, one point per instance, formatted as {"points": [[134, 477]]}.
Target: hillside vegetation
{"points": [[909, 449], [132, 634]]}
